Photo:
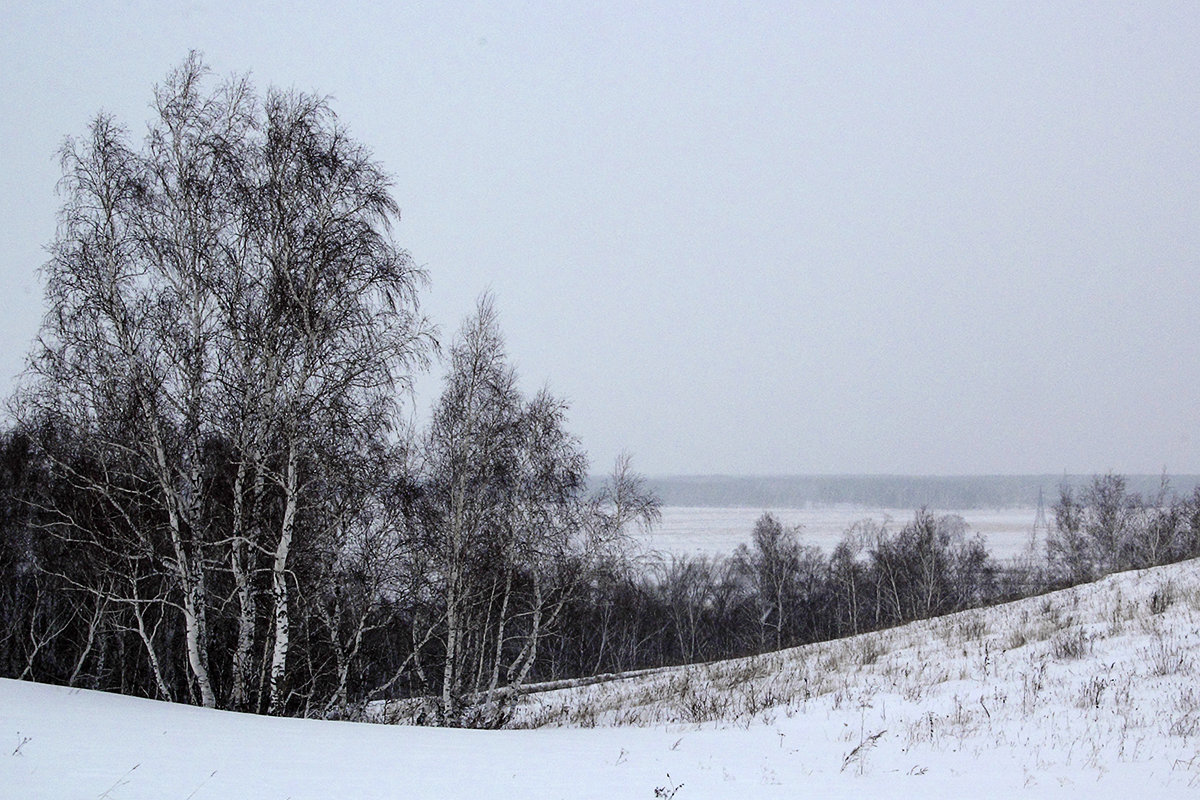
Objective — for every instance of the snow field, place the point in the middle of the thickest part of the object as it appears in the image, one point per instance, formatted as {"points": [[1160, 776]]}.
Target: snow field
{"points": [[709, 531]]}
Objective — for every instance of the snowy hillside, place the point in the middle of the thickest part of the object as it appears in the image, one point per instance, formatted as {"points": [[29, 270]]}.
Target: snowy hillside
{"points": [[1090, 690]]}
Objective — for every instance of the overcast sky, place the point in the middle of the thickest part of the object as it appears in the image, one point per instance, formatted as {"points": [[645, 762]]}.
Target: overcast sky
{"points": [[738, 237]]}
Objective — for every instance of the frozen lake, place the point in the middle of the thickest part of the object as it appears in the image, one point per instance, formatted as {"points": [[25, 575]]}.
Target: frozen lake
{"points": [[717, 531]]}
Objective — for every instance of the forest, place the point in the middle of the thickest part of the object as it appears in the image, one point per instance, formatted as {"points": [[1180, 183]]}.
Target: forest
{"points": [[209, 492]]}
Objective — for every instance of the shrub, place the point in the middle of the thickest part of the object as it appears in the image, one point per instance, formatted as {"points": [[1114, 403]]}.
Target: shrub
{"points": [[1072, 645]]}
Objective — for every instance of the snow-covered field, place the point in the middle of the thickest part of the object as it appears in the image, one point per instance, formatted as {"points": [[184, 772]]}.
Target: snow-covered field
{"points": [[717, 531], [1089, 692]]}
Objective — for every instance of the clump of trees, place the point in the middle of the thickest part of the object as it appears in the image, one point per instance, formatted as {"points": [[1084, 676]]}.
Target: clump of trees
{"points": [[1106, 528], [775, 592], [210, 495], [504, 531], [228, 325]]}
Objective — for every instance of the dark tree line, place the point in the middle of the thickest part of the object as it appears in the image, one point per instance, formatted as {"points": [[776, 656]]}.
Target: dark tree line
{"points": [[374, 588], [372, 617], [459, 580], [775, 592]]}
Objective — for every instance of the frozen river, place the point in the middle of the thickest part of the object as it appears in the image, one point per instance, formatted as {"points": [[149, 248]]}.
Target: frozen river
{"points": [[717, 531]]}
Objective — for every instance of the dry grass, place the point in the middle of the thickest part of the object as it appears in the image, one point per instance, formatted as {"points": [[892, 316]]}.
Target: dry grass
{"points": [[1098, 672]]}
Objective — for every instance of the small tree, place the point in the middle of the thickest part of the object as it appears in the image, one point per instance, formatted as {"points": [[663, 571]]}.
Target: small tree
{"points": [[772, 565], [1105, 528], [1068, 548], [849, 575], [508, 530]]}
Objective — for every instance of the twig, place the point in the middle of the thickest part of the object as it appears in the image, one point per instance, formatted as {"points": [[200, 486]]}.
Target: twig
{"points": [[118, 782], [201, 785], [861, 750]]}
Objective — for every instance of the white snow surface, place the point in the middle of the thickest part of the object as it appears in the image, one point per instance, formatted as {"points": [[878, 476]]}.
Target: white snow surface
{"points": [[1089, 692], [689, 530]]}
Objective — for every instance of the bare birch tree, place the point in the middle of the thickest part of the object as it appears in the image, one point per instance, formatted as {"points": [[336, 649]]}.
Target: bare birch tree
{"points": [[226, 301], [511, 528]]}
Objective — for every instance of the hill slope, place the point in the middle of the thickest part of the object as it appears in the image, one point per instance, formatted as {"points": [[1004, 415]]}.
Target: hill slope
{"points": [[1093, 688]]}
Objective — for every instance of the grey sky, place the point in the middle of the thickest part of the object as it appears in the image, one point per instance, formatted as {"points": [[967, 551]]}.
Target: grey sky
{"points": [[782, 238]]}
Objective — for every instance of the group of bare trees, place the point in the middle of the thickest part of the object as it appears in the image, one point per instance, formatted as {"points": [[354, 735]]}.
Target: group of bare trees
{"points": [[777, 592], [773, 592], [224, 506], [1106, 528], [228, 325], [505, 530]]}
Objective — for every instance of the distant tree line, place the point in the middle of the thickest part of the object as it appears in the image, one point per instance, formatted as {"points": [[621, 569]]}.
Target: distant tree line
{"points": [[882, 491]]}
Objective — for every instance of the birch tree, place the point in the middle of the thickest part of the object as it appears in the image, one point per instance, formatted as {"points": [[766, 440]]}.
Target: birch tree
{"points": [[772, 566], [125, 351], [228, 319], [342, 299], [510, 526]]}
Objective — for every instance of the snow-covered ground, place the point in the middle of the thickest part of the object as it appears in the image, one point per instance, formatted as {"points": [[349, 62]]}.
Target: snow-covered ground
{"points": [[1088, 692], [686, 530]]}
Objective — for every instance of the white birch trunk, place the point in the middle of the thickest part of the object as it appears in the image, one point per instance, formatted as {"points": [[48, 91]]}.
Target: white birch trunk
{"points": [[242, 576], [279, 583], [191, 580], [453, 622]]}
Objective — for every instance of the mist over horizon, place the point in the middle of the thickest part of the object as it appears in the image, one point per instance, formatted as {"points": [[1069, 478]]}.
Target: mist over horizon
{"points": [[946, 492]]}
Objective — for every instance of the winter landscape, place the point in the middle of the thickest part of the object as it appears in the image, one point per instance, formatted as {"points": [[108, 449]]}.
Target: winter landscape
{"points": [[491, 400], [1088, 691]]}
